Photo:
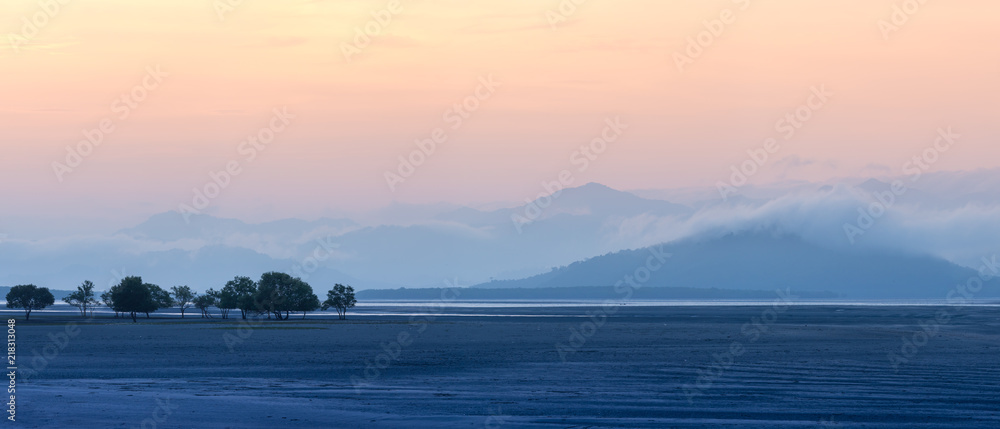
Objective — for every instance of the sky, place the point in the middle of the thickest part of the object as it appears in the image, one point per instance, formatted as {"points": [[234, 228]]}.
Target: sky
{"points": [[536, 83]]}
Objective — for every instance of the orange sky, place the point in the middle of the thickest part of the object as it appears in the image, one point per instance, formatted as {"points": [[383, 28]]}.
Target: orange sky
{"points": [[559, 84]]}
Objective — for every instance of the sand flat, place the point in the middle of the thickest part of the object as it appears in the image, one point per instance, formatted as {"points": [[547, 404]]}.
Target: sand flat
{"points": [[811, 367]]}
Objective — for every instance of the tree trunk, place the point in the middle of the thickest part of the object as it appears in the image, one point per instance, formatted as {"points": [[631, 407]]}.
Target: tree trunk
{"points": [[133, 317], [182, 312], [27, 314]]}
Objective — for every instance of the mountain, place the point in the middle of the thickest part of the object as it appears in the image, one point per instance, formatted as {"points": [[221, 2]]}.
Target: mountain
{"points": [[418, 246], [575, 293], [764, 261], [407, 214], [414, 245], [475, 245], [961, 188], [202, 268], [173, 226], [593, 199]]}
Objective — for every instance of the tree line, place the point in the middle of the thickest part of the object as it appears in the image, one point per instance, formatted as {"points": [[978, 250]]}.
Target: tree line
{"points": [[276, 295]]}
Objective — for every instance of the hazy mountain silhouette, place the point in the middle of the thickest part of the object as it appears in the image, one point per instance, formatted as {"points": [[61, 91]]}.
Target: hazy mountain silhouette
{"points": [[172, 226], [764, 260], [591, 199], [422, 245]]}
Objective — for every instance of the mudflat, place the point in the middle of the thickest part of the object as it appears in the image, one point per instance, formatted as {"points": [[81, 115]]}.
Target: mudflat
{"points": [[566, 367]]}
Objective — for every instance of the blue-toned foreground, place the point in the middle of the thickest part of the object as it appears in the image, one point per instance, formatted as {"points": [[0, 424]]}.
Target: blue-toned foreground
{"points": [[646, 366]]}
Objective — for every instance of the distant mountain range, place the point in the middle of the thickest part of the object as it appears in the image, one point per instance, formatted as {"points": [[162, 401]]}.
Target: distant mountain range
{"points": [[173, 226], [571, 293], [786, 235], [765, 261]]}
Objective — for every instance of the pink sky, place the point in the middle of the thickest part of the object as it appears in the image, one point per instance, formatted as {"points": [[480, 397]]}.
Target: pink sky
{"points": [[559, 84]]}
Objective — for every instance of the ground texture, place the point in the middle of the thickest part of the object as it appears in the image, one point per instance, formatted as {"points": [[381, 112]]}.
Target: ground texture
{"points": [[645, 367]]}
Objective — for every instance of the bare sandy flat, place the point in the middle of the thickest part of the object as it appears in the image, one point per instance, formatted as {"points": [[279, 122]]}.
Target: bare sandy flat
{"points": [[644, 367]]}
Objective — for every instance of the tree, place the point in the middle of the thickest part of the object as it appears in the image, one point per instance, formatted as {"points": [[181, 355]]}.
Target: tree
{"points": [[308, 303], [132, 296], [183, 297], [29, 297], [109, 301], [204, 302], [161, 298], [83, 298], [279, 293], [225, 300], [244, 290], [341, 298]]}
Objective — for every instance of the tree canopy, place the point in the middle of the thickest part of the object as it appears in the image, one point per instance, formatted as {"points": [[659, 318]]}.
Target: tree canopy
{"points": [[276, 294], [29, 297], [341, 298], [183, 297], [83, 298], [206, 301], [109, 301], [279, 293], [225, 299], [133, 296], [243, 290]]}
